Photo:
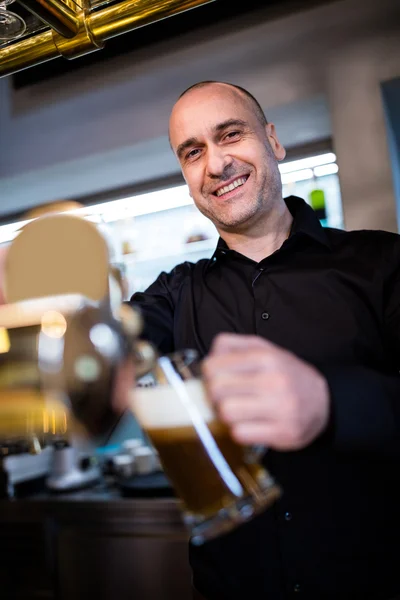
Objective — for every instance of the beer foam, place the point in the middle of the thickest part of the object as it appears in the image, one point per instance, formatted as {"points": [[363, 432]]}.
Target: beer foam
{"points": [[163, 407]]}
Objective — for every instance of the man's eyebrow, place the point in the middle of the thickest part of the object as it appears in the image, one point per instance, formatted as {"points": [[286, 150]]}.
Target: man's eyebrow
{"points": [[230, 123]]}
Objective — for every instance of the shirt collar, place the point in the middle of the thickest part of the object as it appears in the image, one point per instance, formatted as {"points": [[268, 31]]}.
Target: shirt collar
{"points": [[305, 221]]}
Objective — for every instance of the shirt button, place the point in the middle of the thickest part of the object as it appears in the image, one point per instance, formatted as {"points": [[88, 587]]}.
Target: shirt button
{"points": [[265, 316], [288, 516], [296, 588]]}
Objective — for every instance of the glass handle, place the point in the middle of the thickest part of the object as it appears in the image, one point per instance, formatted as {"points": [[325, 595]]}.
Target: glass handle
{"points": [[254, 453], [145, 357], [144, 353]]}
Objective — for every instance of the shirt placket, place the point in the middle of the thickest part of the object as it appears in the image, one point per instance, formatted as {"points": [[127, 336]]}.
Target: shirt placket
{"points": [[261, 296], [283, 514]]}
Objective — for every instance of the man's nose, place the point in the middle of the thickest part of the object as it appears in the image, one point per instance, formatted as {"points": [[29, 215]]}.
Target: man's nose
{"points": [[217, 162]]}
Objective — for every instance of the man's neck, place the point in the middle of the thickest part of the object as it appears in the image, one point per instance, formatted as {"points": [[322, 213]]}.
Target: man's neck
{"points": [[264, 238]]}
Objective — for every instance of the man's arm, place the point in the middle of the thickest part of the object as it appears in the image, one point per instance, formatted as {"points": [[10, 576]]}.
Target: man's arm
{"points": [[366, 403], [269, 396], [157, 309], [365, 410]]}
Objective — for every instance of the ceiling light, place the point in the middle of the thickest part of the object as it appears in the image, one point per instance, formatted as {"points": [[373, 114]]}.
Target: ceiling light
{"points": [[297, 176], [307, 163], [326, 170]]}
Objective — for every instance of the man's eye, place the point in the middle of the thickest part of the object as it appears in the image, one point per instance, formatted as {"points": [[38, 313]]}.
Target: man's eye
{"points": [[232, 135], [192, 154]]}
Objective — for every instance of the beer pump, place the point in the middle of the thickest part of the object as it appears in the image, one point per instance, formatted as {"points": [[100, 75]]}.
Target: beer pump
{"points": [[68, 345]]}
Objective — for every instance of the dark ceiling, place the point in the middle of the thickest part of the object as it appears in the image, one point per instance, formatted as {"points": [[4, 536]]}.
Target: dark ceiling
{"points": [[167, 29]]}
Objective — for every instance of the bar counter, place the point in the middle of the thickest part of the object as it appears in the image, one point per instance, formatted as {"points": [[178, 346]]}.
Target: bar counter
{"points": [[93, 544]]}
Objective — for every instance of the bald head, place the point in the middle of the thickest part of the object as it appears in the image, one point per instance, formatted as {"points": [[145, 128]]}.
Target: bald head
{"points": [[241, 93], [254, 104]]}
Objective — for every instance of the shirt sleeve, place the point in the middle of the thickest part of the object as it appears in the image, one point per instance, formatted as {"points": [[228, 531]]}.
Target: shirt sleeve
{"points": [[365, 404], [156, 306], [365, 410]]}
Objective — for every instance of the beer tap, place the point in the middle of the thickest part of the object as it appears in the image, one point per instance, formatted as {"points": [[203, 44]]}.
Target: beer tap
{"points": [[73, 348]]}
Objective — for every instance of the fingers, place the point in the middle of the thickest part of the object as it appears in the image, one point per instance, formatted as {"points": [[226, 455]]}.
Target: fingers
{"points": [[236, 409], [227, 385], [265, 394], [233, 342], [249, 360], [253, 433], [245, 386], [272, 435]]}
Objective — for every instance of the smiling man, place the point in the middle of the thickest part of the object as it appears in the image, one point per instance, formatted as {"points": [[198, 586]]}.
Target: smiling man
{"points": [[229, 157], [299, 327]]}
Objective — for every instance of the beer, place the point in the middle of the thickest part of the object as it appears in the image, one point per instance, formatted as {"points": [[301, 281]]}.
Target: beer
{"points": [[207, 468]]}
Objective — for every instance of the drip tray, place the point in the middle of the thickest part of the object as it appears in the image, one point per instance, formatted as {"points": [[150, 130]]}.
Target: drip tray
{"points": [[153, 485]]}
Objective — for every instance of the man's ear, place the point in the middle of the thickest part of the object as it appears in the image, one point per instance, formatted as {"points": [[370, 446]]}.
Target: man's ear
{"points": [[277, 148]]}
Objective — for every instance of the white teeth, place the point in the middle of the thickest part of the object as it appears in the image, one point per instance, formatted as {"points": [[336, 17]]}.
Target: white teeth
{"points": [[228, 188]]}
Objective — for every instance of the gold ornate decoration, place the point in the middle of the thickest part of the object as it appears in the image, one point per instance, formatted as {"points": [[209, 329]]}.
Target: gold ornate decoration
{"points": [[75, 30]]}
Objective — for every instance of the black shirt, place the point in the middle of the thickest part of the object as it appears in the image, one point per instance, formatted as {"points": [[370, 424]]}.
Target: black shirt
{"points": [[333, 298]]}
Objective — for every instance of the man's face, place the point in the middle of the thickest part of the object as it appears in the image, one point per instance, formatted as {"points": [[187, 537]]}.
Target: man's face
{"points": [[228, 157]]}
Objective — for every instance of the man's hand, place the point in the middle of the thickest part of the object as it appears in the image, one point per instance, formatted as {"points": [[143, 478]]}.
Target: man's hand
{"points": [[264, 393]]}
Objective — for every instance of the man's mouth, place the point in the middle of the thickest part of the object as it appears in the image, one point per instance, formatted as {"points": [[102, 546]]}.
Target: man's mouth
{"points": [[231, 186]]}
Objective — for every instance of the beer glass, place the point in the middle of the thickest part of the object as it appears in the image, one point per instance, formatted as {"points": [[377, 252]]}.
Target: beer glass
{"points": [[12, 26], [217, 480]]}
